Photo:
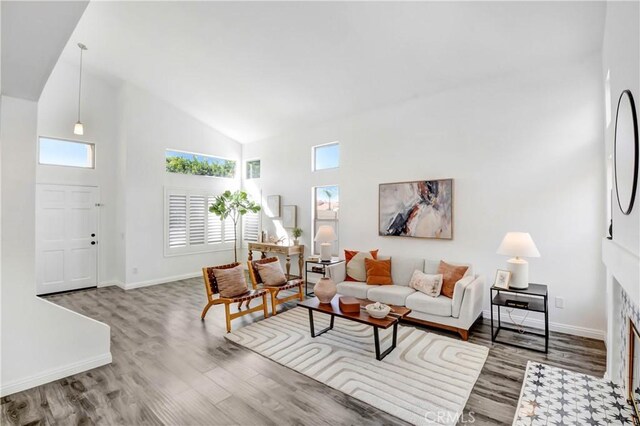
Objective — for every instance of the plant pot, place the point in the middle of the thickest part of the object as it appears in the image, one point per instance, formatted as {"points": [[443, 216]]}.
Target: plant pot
{"points": [[296, 242], [325, 289]]}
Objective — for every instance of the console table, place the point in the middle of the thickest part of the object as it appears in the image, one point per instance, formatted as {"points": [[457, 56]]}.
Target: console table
{"points": [[288, 251], [534, 298]]}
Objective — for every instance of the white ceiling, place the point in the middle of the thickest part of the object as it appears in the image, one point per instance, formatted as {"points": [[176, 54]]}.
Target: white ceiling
{"points": [[33, 36], [253, 70]]}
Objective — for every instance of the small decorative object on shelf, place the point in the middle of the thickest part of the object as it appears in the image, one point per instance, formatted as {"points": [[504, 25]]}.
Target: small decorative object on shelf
{"points": [[378, 310], [502, 279], [349, 304], [296, 232], [325, 289]]}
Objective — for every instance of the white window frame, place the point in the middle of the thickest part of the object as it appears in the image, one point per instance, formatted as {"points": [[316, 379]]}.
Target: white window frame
{"points": [[92, 146], [313, 157], [246, 168], [188, 249], [315, 220]]}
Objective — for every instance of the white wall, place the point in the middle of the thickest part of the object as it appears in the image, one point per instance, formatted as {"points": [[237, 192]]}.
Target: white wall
{"points": [[525, 151], [57, 113], [621, 57], [40, 341], [150, 127]]}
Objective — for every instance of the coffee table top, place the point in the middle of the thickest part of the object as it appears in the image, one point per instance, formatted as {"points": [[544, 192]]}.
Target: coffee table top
{"points": [[363, 317]]}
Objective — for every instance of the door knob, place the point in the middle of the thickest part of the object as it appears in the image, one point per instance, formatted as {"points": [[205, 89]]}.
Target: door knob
{"points": [[93, 235], [93, 243]]}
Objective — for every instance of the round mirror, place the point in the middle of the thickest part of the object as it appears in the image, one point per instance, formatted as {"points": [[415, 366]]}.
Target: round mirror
{"points": [[625, 151]]}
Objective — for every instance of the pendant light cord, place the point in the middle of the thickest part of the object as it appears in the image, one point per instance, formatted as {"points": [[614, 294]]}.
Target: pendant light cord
{"points": [[80, 84]]}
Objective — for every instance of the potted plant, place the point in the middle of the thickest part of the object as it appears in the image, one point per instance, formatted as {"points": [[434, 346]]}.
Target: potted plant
{"points": [[296, 232], [233, 205]]}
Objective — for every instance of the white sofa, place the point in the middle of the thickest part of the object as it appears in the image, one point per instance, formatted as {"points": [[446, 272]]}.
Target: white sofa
{"points": [[457, 314]]}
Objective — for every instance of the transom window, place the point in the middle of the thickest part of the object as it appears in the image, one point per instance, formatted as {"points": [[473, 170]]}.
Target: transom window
{"points": [[253, 169], [326, 156], [61, 152], [189, 163]]}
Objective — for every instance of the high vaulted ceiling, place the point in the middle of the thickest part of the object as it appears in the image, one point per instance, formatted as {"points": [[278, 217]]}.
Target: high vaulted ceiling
{"points": [[253, 70]]}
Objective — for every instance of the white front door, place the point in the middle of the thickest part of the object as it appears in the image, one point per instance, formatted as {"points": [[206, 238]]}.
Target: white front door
{"points": [[66, 237]]}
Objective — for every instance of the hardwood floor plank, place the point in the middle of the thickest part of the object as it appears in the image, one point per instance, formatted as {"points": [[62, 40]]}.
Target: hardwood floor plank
{"points": [[171, 368]]}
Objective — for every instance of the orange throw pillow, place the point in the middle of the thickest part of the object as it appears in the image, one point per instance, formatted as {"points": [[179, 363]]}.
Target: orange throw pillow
{"points": [[450, 276], [378, 271], [356, 266]]}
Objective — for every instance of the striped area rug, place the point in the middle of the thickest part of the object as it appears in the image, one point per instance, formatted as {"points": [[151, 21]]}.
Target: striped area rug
{"points": [[427, 378]]}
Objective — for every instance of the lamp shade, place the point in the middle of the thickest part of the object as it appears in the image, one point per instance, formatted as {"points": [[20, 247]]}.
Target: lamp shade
{"points": [[518, 244], [325, 234]]}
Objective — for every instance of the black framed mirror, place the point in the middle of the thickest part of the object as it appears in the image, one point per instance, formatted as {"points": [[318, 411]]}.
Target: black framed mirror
{"points": [[625, 152]]}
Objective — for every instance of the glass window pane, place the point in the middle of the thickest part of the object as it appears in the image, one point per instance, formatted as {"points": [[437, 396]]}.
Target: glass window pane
{"points": [[196, 164], [253, 169], [327, 202], [60, 152], [326, 156]]}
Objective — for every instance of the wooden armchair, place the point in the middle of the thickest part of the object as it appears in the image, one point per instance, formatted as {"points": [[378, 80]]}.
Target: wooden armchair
{"points": [[275, 290], [211, 287]]}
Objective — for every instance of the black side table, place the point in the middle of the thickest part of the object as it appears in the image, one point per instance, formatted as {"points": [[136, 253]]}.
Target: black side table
{"points": [[535, 298], [319, 268]]}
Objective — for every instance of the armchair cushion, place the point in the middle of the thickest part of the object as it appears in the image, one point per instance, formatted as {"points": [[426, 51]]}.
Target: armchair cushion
{"points": [[230, 281], [271, 274]]}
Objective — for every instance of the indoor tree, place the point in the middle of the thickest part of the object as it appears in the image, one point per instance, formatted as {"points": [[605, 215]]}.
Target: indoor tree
{"points": [[233, 205]]}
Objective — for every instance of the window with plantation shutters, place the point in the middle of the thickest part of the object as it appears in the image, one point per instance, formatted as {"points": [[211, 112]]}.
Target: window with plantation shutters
{"points": [[190, 227], [251, 227], [177, 221]]}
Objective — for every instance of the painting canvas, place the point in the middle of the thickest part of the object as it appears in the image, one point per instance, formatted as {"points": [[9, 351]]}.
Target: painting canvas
{"points": [[421, 209], [288, 216]]}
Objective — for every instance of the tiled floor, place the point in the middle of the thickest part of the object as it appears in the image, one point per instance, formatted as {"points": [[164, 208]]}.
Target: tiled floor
{"points": [[554, 396]]}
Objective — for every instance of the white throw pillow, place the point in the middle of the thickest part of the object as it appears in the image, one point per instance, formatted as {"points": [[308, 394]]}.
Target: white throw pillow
{"points": [[356, 268], [271, 274], [429, 284]]}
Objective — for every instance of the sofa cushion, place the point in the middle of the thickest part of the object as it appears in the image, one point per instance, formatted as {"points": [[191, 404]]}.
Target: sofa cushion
{"points": [[356, 270], [431, 266], [426, 283], [378, 271], [440, 306], [402, 269], [390, 294], [451, 275], [354, 289]]}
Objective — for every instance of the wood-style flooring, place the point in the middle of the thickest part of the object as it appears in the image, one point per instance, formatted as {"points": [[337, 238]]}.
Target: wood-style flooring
{"points": [[171, 368]]}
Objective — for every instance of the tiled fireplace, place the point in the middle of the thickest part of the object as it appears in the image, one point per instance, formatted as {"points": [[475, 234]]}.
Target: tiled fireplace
{"points": [[623, 305]]}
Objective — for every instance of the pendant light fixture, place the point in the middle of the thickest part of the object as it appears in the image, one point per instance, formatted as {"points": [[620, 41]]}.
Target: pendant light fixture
{"points": [[78, 129]]}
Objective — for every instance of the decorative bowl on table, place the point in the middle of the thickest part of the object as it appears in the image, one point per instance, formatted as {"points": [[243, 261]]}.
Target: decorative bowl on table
{"points": [[377, 310]]}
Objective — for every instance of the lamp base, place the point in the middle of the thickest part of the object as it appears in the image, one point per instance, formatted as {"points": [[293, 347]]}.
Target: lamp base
{"points": [[519, 273], [325, 252]]}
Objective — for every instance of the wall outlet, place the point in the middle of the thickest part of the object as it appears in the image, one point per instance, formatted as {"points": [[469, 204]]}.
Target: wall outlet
{"points": [[560, 302], [135, 271]]}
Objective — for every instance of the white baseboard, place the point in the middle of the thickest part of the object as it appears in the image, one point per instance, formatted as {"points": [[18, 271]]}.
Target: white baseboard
{"points": [[130, 286], [553, 326], [54, 374], [111, 283]]}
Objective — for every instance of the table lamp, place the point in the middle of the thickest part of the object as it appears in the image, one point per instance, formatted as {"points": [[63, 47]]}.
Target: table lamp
{"points": [[325, 236], [519, 245]]}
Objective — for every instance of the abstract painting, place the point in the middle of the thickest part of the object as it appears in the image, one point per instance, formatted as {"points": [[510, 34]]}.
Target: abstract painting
{"points": [[421, 209]]}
